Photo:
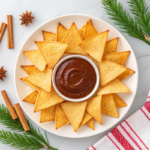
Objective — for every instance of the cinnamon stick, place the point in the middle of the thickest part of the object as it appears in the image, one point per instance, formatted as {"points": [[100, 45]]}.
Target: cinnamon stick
{"points": [[10, 36], [9, 105], [21, 117], [2, 29]]}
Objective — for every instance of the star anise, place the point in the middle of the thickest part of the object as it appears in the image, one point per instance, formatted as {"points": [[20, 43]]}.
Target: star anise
{"points": [[26, 18], [2, 73]]}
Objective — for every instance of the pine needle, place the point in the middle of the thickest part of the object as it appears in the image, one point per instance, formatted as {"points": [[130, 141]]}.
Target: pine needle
{"points": [[124, 20], [31, 140], [20, 141], [6, 119], [141, 15]]}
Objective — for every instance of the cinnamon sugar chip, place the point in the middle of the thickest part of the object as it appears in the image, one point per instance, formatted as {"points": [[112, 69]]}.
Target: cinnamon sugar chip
{"points": [[120, 57], [61, 32], [109, 71], [60, 117], [74, 112], [126, 74], [52, 51], [36, 58], [46, 100], [119, 102], [31, 98], [29, 69], [49, 36], [41, 79], [86, 118], [90, 124], [115, 86], [89, 30], [73, 38], [48, 114], [109, 106], [82, 30], [111, 46], [94, 108], [95, 45]]}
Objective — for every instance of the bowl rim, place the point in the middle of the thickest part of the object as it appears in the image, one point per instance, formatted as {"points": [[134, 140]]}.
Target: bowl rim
{"points": [[15, 72], [96, 84]]}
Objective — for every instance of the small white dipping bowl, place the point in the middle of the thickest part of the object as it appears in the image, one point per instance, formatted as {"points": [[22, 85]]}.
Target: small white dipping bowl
{"points": [[81, 57]]}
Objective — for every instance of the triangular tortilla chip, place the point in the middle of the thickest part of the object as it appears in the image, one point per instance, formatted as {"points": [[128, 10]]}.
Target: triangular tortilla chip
{"points": [[41, 79], [111, 46], [115, 86], [109, 71], [126, 74], [94, 45], [109, 106], [49, 36], [86, 118], [52, 51], [90, 124], [94, 108], [119, 102], [89, 30], [48, 114], [31, 98], [82, 30], [60, 117], [74, 112], [61, 32], [36, 58], [73, 38], [119, 57], [33, 86], [29, 69], [46, 100]]}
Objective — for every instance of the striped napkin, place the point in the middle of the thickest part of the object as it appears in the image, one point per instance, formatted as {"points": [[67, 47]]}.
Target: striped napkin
{"points": [[132, 134]]}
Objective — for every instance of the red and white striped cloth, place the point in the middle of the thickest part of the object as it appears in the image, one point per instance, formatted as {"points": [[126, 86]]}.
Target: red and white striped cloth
{"points": [[132, 134]]}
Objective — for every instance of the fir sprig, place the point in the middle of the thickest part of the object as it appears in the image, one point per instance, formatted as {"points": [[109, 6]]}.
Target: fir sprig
{"points": [[141, 15], [31, 140], [123, 19], [20, 141], [37, 134], [6, 119]]}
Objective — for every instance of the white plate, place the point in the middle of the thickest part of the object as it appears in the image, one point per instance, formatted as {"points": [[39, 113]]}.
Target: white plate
{"points": [[22, 88]]}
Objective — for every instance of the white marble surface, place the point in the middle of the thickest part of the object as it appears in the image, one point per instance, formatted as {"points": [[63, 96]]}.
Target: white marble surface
{"points": [[44, 10]]}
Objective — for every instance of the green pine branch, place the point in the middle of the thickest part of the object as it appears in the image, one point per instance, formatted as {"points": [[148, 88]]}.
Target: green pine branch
{"points": [[37, 134], [20, 141], [6, 119], [142, 15], [31, 140], [123, 19]]}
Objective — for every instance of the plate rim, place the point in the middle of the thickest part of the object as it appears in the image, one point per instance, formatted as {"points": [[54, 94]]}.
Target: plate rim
{"points": [[76, 14]]}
